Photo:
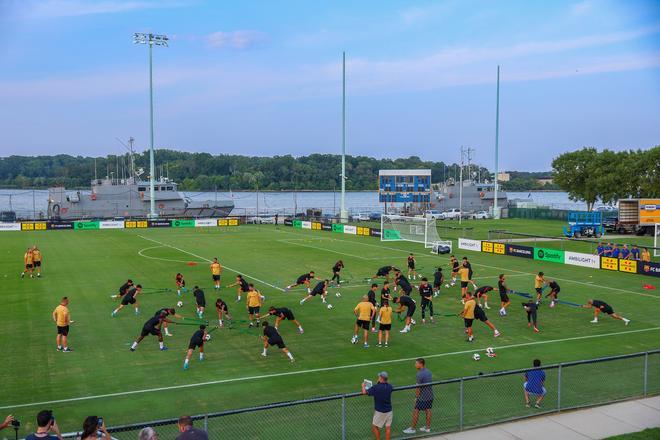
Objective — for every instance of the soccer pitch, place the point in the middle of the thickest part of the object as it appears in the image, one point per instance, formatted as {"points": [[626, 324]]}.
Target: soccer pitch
{"points": [[101, 376]]}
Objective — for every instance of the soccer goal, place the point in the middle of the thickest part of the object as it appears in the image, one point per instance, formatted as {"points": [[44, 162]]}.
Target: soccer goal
{"points": [[415, 229]]}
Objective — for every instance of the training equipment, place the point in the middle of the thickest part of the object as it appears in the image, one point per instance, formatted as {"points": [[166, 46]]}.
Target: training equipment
{"points": [[338, 295], [179, 304], [476, 356], [329, 306], [415, 229], [207, 337]]}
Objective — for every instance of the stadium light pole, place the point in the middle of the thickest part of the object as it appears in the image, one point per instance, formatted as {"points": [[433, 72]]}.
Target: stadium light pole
{"points": [[496, 213], [342, 203], [151, 40]]}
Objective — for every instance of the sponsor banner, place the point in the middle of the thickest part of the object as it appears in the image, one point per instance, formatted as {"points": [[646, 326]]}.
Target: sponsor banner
{"points": [[326, 227], [159, 224], [648, 268], [391, 234], [348, 229], [363, 231], [374, 232], [337, 227], [10, 226], [580, 259], [316, 226], [297, 223], [306, 225], [499, 248], [35, 226], [486, 246], [130, 224], [205, 222], [516, 250], [469, 245], [185, 223], [287, 222], [629, 266], [86, 225], [234, 222], [59, 225], [111, 225], [609, 263], [552, 255]]}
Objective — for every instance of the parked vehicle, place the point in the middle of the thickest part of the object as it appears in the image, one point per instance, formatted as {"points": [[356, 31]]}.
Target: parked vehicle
{"points": [[432, 214], [261, 220], [610, 224], [481, 215], [585, 224], [638, 215], [452, 214], [375, 216], [360, 217]]}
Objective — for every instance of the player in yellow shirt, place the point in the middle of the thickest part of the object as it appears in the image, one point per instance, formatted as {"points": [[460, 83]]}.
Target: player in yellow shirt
{"points": [[539, 284], [36, 259], [28, 260], [364, 311], [464, 272], [646, 255], [253, 303], [216, 271], [62, 320], [468, 315], [385, 320]]}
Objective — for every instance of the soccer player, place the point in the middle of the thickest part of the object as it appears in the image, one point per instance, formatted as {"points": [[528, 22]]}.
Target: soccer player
{"points": [[554, 291], [130, 297], [304, 279], [401, 281], [253, 303], [180, 283], [385, 294], [539, 281], [281, 313], [364, 312], [200, 300], [409, 303], [455, 266], [320, 289], [272, 337], [412, 273], [426, 292], [339, 265], [62, 320], [385, 322], [223, 311], [384, 272], [197, 340], [504, 294], [167, 312], [531, 308], [371, 297], [482, 292], [467, 264], [216, 271], [123, 289], [438, 279], [28, 260], [464, 272], [481, 316], [243, 286], [152, 327], [469, 305], [37, 258], [601, 306]]}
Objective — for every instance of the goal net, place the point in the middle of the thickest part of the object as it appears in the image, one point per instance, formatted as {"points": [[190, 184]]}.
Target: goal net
{"points": [[656, 241], [415, 229]]}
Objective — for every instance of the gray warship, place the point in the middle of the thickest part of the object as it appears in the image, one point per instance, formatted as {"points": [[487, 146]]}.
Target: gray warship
{"points": [[476, 196]]}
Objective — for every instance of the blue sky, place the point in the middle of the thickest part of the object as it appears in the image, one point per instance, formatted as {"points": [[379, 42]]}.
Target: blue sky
{"points": [[264, 78]]}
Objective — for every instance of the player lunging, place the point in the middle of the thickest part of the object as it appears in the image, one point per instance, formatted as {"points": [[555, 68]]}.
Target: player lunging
{"points": [[405, 301], [272, 337], [223, 311], [482, 293], [303, 280], [601, 306], [123, 289], [197, 340], [129, 298], [243, 286], [336, 269], [321, 288], [281, 313], [152, 327]]}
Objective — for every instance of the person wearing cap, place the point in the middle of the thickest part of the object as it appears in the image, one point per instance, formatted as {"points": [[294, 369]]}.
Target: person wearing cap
{"points": [[382, 394]]}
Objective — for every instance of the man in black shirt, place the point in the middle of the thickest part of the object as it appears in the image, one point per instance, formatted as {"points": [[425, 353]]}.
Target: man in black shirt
{"points": [[409, 303], [602, 306], [426, 292], [321, 288], [384, 272], [130, 297], [504, 294], [272, 337], [223, 310], [243, 286], [123, 289], [200, 299], [467, 264], [531, 307], [371, 295], [152, 327], [304, 279], [197, 340], [482, 292], [401, 281], [438, 279], [385, 294], [167, 312], [281, 313], [339, 265]]}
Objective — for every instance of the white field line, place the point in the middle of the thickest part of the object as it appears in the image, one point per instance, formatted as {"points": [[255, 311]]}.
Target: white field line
{"points": [[293, 242], [140, 253], [317, 370], [210, 261]]}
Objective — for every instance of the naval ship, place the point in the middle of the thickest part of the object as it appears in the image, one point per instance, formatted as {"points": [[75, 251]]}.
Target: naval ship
{"points": [[477, 196]]}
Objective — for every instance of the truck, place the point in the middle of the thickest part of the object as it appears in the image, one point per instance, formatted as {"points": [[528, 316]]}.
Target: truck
{"points": [[584, 224], [638, 216]]}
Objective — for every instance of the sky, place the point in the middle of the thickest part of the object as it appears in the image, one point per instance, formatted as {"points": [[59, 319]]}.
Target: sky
{"points": [[264, 78]]}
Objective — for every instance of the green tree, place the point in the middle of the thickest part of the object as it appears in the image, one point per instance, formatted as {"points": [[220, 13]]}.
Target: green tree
{"points": [[575, 172]]}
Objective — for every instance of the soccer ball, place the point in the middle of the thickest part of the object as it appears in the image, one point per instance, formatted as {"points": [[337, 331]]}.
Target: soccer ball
{"points": [[476, 356], [179, 304], [338, 295], [446, 286], [207, 337], [329, 306]]}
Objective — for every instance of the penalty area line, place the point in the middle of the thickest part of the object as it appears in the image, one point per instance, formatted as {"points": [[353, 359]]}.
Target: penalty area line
{"points": [[318, 370]]}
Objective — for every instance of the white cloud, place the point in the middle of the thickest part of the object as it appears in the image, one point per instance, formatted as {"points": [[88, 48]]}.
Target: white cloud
{"points": [[416, 15], [581, 8], [47, 9], [241, 39]]}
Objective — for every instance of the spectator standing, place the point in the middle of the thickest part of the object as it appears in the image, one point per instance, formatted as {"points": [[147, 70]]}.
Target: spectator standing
{"points": [[62, 320], [616, 252], [625, 252], [600, 250], [188, 432], [423, 398], [607, 252], [148, 434], [45, 425], [634, 253], [382, 394], [535, 384], [91, 428], [646, 255]]}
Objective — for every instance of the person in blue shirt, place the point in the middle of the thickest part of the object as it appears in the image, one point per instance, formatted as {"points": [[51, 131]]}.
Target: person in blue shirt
{"points": [[382, 394], [608, 250], [616, 252], [600, 249], [625, 252], [634, 253], [45, 425], [535, 384]]}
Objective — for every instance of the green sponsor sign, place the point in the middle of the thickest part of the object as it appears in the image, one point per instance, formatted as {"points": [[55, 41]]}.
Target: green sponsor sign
{"points": [[553, 255], [297, 223], [391, 234], [183, 223], [86, 225], [337, 227]]}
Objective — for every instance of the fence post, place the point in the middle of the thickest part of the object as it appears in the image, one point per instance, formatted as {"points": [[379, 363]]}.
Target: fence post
{"points": [[646, 372], [206, 422], [460, 405], [343, 417], [559, 388]]}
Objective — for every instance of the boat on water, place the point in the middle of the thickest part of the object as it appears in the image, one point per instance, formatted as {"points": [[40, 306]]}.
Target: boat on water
{"points": [[477, 196]]}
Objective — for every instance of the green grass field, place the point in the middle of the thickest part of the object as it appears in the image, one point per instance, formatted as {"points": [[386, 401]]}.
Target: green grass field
{"points": [[88, 266]]}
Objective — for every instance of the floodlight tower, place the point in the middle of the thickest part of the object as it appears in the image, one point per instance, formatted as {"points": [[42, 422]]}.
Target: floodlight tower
{"points": [[152, 40], [342, 201]]}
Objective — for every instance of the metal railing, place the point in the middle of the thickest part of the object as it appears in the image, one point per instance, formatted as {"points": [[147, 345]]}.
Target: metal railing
{"points": [[458, 404]]}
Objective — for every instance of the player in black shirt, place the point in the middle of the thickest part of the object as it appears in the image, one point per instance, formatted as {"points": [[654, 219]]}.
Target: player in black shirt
{"points": [[453, 262], [438, 279], [243, 286], [504, 295], [409, 303], [384, 272], [339, 265], [272, 337], [385, 293], [200, 299], [123, 289], [130, 297], [412, 273], [531, 307], [602, 306], [197, 340], [371, 297], [223, 310], [426, 292], [167, 312], [554, 291], [152, 327], [467, 264], [304, 279], [401, 281], [281, 313], [482, 292], [321, 288]]}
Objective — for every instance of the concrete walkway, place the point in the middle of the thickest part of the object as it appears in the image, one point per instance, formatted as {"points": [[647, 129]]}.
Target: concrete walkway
{"points": [[583, 424]]}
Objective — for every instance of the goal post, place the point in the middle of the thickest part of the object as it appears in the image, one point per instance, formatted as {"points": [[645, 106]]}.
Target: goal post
{"points": [[415, 229]]}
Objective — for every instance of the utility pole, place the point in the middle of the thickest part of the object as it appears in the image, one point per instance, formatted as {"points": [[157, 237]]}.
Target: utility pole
{"points": [[342, 202], [496, 212]]}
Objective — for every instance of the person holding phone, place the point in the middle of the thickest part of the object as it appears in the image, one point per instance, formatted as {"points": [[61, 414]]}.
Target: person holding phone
{"points": [[45, 425], [91, 428]]}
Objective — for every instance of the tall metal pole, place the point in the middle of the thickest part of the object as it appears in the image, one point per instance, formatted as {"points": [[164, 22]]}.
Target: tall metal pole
{"points": [[496, 212], [342, 202], [460, 192], [152, 162]]}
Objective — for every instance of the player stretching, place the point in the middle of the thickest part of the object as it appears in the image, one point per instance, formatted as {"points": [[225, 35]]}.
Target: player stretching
{"points": [[197, 340], [28, 260], [216, 271], [409, 303], [504, 295], [129, 298], [320, 289], [223, 311], [482, 292], [539, 281], [180, 283], [426, 292], [167, 312], [253, 303], [281, 313], [401, 281], [385, 322], [123, 289], [242, 286], [481, 316], [554, 291], [304, 279], [601, 306], [532, 314], [152, 327], [272, 337], [364, 312], [339, 265], [412, 273], [438, 279], [200, 300], [455, 266], [36, 259], [384, 272], [371, 297], [467, 264]]}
